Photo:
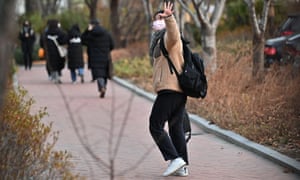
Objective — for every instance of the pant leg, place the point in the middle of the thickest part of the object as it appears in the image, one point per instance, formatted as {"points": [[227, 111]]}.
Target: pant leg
{"points": [[176, 131], [25, 59], [73, 75], [55, 76], [30, 59], [101, 83], [80, 71], [164, 108]]}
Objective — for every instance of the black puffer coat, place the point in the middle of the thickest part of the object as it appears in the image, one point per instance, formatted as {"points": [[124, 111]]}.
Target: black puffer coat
{"points": [[99, 45], [75, 52], [56, 63]]}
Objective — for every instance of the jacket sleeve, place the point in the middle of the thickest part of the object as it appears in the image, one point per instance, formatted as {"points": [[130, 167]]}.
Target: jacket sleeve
{"points": [[172, 35], [85, 37]]}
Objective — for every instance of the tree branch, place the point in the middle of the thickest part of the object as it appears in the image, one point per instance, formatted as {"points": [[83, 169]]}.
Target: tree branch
{"points": [[216, 16], [265, 15], [194, 17], [253, 17]]}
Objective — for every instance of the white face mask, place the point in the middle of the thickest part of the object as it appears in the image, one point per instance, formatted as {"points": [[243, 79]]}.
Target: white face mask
{"points": [[158, 25]]}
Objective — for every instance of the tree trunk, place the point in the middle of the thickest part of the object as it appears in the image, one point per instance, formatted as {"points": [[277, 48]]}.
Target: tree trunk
{"points": [[92, 5], [208, 43], [148, 12], [258, 42], [114, 19], [31, 6], [258, 55], [6, 29], [49, 7], [207, 22]]}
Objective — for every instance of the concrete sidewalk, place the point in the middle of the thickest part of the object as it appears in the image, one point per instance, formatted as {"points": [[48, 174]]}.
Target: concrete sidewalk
{"points": [[89, 129]]}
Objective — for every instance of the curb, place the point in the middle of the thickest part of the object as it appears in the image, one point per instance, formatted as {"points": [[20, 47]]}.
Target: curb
{"points": [[229, 136]]}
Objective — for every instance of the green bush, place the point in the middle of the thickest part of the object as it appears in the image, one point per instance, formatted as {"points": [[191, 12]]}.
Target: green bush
{"points": [[37, 21], [68, 18], [25, 148], [133, 67]]}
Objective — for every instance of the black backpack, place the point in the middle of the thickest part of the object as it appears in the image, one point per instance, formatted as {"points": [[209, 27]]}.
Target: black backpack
{"points": [[192, 80]]}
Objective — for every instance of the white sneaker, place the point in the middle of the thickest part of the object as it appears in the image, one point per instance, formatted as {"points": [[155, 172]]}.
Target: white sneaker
{"points": [[181, 172], [174, 165]]}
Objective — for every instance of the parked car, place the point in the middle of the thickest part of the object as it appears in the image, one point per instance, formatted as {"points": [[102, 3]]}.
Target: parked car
{"points": [[290, 26], [273, 50], [274, 47]]}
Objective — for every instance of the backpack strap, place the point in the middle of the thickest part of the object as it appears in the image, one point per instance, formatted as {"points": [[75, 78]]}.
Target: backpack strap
{"points": [[166, 54]]}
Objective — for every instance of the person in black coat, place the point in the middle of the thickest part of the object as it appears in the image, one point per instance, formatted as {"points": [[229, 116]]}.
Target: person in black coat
{"points": [[99, 46], [43, 45], [75, 53], [55, 62], [27, 38]]}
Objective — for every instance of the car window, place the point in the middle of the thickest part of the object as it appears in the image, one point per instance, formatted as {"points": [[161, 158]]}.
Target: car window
{"points": [[285, 26], [295, 25]]}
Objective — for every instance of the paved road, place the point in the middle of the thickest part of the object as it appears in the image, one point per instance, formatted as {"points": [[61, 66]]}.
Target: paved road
{"points": [[89, 129]]}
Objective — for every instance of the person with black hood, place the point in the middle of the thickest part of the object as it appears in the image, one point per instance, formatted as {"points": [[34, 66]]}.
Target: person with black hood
{"points": [[99, 46], [75, 53], [27, 38], [55, 62]]}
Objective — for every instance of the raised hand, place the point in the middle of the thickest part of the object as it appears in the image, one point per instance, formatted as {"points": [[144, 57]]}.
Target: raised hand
{"points": [[168, 6]]}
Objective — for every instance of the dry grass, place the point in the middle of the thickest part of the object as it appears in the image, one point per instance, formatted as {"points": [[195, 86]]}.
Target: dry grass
{"points": [[266, 112]]}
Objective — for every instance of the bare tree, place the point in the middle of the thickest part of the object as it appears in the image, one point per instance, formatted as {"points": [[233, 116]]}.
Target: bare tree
{"points": [[114, 20], [259, 25], [32, 6], [6, 26], [148, 12], [206, 15], [49, 7], [92, 5]]}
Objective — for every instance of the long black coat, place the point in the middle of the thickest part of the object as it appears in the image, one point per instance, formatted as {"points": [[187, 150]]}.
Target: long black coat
{"points": [[55, 62], [75, 52], [99, 45]]}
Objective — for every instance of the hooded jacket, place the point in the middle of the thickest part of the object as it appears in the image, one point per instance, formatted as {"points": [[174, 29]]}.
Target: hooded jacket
{"points": [[99, 44], [75, 51], [163, 79]]}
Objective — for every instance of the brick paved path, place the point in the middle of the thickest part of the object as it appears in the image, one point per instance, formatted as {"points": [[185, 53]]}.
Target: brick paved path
{"points": [[90, 135]]}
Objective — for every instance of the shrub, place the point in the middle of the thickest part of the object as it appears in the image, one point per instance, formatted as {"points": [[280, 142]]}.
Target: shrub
{"points": [[25, 148], [133, 67]]}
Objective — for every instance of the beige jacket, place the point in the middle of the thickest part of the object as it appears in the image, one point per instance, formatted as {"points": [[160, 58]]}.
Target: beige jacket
{"points": [[162, 77]]}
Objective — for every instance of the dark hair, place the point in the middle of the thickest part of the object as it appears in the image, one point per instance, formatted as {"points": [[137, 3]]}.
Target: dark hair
{"points": [[52, 23], [94, 22], [157, 12]]}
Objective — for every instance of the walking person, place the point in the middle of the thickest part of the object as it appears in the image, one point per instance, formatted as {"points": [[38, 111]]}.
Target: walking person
{"points": [[27, 38], [99, 46], [169, 105], [43, 45], [75, 54], [55, 63]]}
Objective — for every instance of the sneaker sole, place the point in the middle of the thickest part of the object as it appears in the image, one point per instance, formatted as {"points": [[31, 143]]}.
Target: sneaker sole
{"points": [[172, 172]]}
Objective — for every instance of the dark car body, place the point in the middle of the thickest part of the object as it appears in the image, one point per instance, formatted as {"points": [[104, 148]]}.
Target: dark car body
{"points": [[291, 49], [274, 47], [290, 26], [273, 50]]}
